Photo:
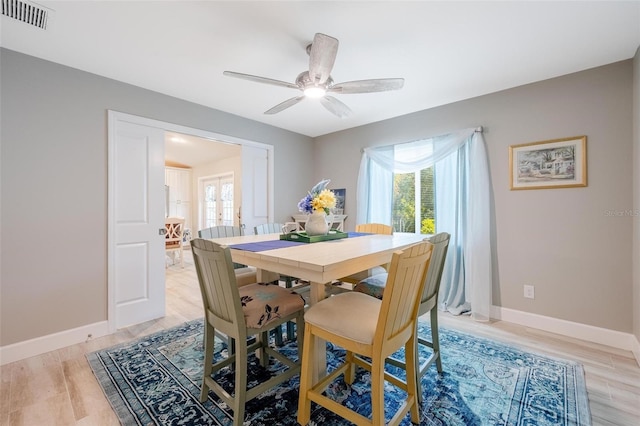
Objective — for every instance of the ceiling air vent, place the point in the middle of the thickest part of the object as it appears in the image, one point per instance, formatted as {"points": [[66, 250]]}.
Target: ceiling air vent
{"points": [[26, 12]]}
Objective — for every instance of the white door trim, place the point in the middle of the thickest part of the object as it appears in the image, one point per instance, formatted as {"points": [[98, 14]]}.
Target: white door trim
{"points": [[115, 116]]}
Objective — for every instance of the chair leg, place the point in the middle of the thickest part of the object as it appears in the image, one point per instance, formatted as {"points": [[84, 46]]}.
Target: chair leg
{"points": [[377, 392], [412, 366], [290, 329], [306, 373], [262, 353], [300, 335], [418, 376], [277, 334], [288, 282], [209, 341], [435, 341], [350, 374], [231, 349], [240, 397]]}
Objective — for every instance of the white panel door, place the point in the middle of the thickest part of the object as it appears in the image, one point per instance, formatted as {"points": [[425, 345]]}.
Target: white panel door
{"points": [[138, 204], [255, 206]]}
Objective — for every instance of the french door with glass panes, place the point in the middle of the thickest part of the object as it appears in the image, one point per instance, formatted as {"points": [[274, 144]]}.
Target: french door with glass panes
{"points": [[216, 194]]}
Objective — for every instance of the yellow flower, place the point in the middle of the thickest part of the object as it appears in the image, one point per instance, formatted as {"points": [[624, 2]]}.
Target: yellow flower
{"points": [[316, 203], [327, 198]]}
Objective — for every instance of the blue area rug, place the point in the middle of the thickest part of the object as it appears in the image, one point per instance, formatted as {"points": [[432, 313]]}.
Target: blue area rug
{"points": [[156, 381]]}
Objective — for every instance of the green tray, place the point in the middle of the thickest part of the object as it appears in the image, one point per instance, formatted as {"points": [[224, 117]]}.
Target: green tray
{"points": [[302, 237]]}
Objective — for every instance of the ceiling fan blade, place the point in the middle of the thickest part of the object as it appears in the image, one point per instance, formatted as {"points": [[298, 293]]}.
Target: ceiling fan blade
{"points": [[322, 57], [284, 105], [260, 79], [335, 106], [367, 86]]}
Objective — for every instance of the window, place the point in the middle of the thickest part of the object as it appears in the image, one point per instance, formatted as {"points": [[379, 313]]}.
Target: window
{"points": [[210, 205], [414, 202], [439, 182]]}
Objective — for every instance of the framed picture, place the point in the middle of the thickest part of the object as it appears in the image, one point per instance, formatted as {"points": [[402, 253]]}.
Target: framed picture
{"points": [[340, 194], [556, 163]]}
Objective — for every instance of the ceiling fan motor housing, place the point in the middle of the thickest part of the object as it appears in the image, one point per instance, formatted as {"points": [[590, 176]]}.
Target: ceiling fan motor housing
{"points": [[304, 81]]}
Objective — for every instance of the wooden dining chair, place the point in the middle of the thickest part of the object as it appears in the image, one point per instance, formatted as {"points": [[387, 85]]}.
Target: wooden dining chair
{"points": [[368, 327], [241, 312], [174, 229], [375, 286], [220, 232], [268, 228], [244, 274], [370, 228]]}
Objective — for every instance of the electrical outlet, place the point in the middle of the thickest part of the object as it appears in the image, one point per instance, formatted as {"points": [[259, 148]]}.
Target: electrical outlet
{"points": [[529, 292]]}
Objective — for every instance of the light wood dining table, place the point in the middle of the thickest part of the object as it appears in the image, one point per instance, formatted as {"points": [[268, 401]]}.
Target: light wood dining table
{"points": [[319, 263]]}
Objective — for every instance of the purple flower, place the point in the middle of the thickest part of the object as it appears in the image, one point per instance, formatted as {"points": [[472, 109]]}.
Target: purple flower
{"points": [[305, 204]]}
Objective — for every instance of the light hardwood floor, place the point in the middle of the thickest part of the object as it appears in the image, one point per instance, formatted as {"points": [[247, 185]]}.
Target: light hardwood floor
{"points": [[58, 388]]}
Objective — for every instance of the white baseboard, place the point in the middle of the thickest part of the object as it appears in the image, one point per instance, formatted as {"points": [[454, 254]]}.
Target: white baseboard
{"points": [[51, 342], [603, 336], [636, 350]]}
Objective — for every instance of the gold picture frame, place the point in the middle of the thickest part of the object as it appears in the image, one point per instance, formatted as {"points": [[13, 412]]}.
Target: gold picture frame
{"points": [[555, 163]]}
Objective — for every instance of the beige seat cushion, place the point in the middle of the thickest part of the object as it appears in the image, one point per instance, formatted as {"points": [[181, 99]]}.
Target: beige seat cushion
{"points": [[264, 303], [356, 309]]}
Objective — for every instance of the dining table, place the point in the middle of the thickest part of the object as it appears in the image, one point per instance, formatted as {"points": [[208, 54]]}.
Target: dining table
{"points": [[319, 263]]}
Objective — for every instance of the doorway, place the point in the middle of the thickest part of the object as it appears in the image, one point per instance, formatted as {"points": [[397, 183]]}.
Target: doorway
{"points": [[136, 293]]}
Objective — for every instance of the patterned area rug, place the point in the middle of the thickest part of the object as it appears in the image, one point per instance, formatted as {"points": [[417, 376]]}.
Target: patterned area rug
{"points": [[156, 381]]}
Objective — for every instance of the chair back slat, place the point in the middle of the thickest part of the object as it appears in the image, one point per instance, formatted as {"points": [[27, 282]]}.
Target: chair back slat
{"points": [[405, 281], [268, 228], [220, 232], [374, 228], [217, 282], [440, 243], [174, 227]]}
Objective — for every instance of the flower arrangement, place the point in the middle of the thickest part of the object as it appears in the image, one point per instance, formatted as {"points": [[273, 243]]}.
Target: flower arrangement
{"points": [[319, 199]]}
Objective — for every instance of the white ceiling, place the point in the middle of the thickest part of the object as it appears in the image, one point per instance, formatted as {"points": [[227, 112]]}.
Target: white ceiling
{"points": [[189, 151], [446, 51]]}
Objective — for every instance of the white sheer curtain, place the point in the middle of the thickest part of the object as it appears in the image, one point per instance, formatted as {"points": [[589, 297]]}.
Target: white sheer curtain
{"points": [[462, 198]]}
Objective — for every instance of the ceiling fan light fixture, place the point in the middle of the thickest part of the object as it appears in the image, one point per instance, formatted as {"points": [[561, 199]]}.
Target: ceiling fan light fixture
{"points": [[315, 92], [317, 81]]}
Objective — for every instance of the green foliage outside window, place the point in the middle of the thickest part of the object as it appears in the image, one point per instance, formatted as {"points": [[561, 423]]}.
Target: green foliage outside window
{"points": [[404, 202], [428, 226], [404, 210]]}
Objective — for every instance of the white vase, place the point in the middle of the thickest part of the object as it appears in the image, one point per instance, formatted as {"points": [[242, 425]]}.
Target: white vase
{"points": [[317, 224]]}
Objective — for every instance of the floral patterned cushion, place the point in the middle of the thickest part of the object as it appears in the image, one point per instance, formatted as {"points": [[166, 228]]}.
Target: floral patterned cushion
{"points": [[264, 303], [373, 286]]}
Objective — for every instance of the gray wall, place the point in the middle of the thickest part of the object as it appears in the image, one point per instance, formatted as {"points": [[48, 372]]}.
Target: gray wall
{"points": [[636, 194], [54, 186], [53, 176], [562, 241]]}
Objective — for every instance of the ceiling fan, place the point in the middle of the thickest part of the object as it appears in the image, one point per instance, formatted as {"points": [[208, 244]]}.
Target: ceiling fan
{"points": [[317, 82]]}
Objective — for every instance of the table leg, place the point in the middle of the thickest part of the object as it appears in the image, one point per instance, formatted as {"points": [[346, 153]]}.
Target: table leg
{"points": [[266, 276], [317, 293]]}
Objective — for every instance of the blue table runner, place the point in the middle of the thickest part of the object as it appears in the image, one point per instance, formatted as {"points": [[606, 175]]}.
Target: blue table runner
{"points": [[277, 244]]}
